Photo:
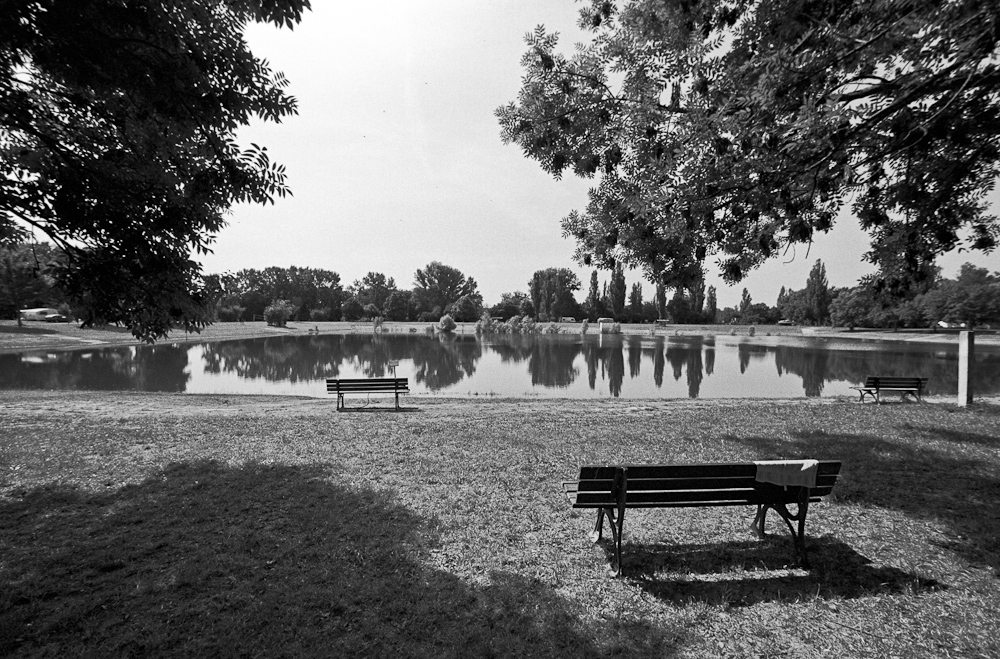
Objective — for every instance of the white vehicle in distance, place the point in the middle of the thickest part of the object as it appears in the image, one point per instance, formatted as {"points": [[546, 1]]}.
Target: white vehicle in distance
{"points": [[40, 313]]}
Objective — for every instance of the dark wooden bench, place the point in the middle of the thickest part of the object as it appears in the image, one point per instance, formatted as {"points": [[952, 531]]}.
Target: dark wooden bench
{"points": [[366, 386], [611, 489], [876, 384]]}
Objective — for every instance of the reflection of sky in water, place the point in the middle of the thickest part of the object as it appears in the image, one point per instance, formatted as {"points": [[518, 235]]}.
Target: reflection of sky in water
{"points": [[562, 366]]}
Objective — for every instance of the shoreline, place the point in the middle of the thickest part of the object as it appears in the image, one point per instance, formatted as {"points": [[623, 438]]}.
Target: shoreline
{"points": [[36, 336]]}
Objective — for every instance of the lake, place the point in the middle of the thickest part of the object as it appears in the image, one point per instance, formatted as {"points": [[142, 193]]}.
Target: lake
{"points": [[562, 365]]}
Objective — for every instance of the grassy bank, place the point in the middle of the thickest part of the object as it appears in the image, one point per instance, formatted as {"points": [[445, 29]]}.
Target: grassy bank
{"points": [[159, 525]]}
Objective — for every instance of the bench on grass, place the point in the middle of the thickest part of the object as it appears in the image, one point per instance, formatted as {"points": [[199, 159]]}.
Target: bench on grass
{"points": [[876, 384], [611, 489], [366, 386]]}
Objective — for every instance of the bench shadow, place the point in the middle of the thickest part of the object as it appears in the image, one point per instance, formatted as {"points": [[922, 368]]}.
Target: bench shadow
{"points": [[743, 573], [206, 559], [957, 492]]}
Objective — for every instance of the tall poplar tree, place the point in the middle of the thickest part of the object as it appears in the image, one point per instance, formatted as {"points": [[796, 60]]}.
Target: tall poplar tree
{"points": [[617, 290]]}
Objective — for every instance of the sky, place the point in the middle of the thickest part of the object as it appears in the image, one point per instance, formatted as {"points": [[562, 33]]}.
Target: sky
{"points": [[395, 158]]}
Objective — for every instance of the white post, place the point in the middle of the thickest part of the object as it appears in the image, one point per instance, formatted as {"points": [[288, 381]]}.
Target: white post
{"points": [[966, 357]]}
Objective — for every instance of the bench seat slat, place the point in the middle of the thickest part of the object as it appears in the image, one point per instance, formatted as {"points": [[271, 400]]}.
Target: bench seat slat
{"points": [[680, 471], [689, 497], [599, 485], [371, 387]]}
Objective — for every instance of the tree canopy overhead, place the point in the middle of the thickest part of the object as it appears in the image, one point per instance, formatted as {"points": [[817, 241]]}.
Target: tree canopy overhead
{"points": [[117, 123], [733, 130]]}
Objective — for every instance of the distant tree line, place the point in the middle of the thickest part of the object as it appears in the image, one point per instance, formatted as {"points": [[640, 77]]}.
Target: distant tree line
{"points": [[303, 294]]}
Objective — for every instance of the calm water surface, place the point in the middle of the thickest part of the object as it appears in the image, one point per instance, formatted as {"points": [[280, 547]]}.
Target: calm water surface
{"points": [[564, 365]]}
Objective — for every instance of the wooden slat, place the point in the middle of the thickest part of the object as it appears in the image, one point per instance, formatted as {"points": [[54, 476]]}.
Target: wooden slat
{"points": [[373, 385], [716, 470], [701, 504], [367, 387], [682, 471], [894, 382]]}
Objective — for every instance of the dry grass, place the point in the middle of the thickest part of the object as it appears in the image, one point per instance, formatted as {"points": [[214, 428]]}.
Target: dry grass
{"points": [[160, 525]]}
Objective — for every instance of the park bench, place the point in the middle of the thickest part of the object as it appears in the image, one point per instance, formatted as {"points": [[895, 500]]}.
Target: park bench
{"points": [[876, 384], [366, 386], [611, 489]]}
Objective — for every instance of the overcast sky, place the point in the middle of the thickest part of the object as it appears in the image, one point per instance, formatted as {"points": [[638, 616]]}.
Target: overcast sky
{"points": [[395, 158]]}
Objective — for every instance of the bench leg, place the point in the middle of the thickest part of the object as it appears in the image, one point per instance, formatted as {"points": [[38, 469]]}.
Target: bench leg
{"points": [[866, 392], [757, 526], [616, 522], [798, 534], [340, 402], [598, 532]]}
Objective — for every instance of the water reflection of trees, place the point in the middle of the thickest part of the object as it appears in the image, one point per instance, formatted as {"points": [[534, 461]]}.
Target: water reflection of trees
{"points": [[550, 359], [438, 362], [816, 366], [444, 362], [285, 358], [685, 353], [144, 368]]}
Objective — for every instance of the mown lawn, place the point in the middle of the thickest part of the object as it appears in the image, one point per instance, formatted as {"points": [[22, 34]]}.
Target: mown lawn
{"points": [[182, 526]]}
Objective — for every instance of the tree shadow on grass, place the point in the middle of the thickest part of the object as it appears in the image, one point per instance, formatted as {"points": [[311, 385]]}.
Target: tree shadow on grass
{"points": [[208, 560], [743, 573], [911, 477]]}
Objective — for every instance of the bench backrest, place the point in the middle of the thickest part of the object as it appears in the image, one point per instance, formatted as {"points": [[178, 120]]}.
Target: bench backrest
{"points": [[720, 484], [894, 382], [367, 385]]}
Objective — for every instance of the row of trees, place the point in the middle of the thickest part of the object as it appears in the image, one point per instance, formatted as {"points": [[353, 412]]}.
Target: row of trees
{"points": [[318, 295], [313, 294]]}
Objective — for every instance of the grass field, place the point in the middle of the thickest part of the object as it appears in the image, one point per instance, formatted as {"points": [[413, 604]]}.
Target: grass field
{"points": [[181, 526]]}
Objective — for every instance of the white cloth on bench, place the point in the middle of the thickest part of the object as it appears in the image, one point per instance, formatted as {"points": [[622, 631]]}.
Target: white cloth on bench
{"points": [[787, 472]]}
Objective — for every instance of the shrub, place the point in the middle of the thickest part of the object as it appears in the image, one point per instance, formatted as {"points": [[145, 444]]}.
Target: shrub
{"points": [[585, 326], [278, 313], [231, 313], [516, 325], [551, 328], [320, 314], [447, 324], [487, 325]]}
